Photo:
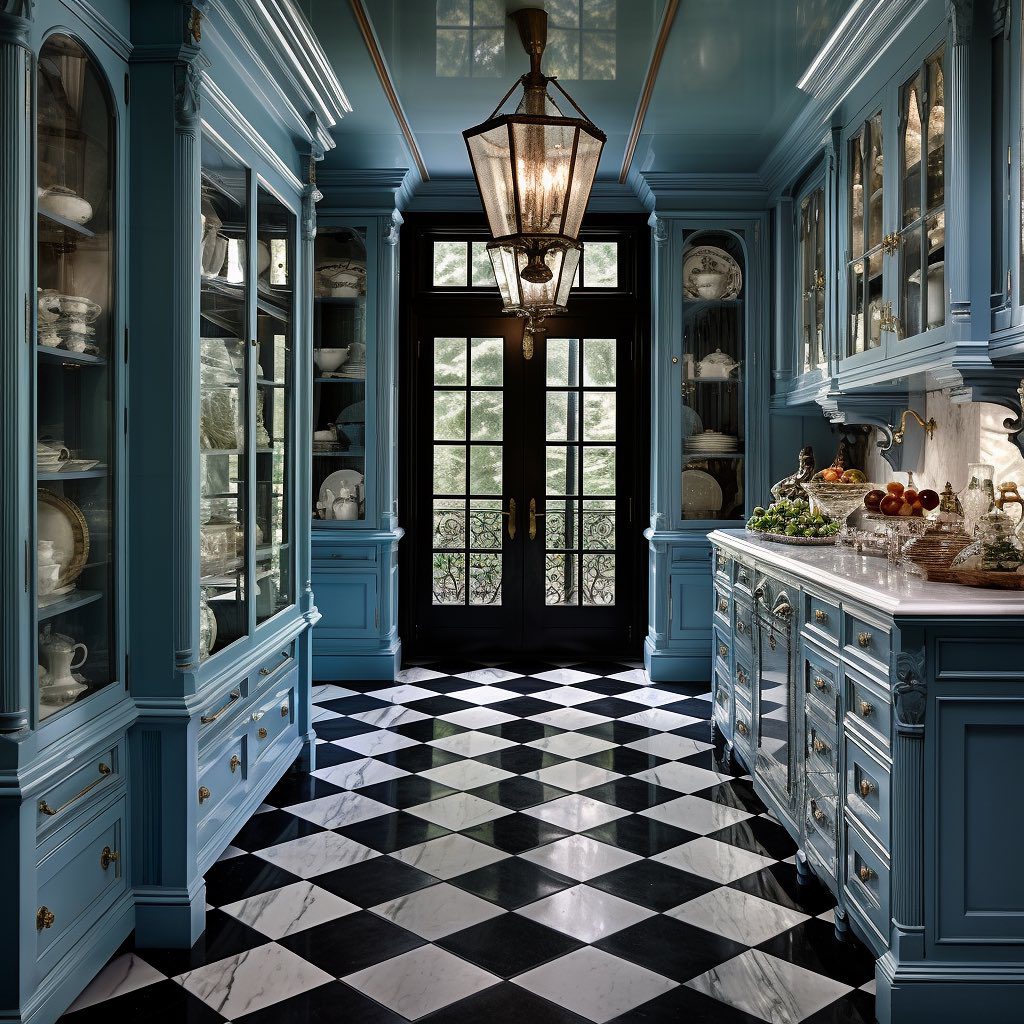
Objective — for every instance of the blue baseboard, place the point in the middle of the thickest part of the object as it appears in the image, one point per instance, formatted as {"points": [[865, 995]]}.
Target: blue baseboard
{"points": [[170, 919], [930, 993], [677, 666], [380, 664]]}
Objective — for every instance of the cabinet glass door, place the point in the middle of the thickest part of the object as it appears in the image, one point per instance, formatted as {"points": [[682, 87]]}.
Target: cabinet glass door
{"points": [[865, 202], [811, 277], [75, 348], [922, 200], [274, 441], [223, 400], [714, 356], [339, 375]]}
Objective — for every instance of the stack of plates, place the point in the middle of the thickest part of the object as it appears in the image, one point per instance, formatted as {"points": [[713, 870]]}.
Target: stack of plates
{"points": [[712, 442]]}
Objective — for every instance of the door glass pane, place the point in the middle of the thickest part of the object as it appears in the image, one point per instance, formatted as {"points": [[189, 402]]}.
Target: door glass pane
{"points": [[578, 471], [601, 265], [811, 275], [480, 267], [911, 118], [451, 266], [876, 161], [73, 568], [224, 362], [468, 525], [275, 248], [936, 142]]}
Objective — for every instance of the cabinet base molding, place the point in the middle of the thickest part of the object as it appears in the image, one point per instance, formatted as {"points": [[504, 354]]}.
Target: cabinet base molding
{"points": [[677, 666], [167, 918], [382, 663]]}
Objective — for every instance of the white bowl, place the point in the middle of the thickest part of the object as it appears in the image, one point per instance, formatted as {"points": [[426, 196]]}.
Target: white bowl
{"points": [[67, 204], [329, 359]]}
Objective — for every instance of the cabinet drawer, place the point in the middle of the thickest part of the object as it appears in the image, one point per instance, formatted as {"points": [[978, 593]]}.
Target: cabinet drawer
{"points": [[742, 676], [821, 617], [272, 669], [723, 650], [868, 642], [77, 881], [220, 776], [867, 791], [329, 553], [744, 629], [81, 784], [723, 700], [272, 719], [820, 746], [867, 880], [743, 578], [221, 709], [821, 815], [723, 608], [866, 703], [723, 566], [820, 684]]}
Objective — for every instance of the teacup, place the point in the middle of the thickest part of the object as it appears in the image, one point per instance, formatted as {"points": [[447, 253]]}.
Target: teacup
{"points": [[710, 284], [46, 578]]}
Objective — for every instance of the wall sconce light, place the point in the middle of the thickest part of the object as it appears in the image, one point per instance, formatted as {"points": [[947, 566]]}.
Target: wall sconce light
{"points": [[929, 426]]}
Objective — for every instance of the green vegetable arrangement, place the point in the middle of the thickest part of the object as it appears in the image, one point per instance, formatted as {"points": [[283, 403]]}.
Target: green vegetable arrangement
{"points": [[792, 518]]}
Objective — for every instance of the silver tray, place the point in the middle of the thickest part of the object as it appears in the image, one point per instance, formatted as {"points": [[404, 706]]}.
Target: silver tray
{"points": [[781, 538]]}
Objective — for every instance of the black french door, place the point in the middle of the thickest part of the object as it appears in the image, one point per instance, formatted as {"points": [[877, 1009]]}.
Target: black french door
{"points": [[524, 479]]}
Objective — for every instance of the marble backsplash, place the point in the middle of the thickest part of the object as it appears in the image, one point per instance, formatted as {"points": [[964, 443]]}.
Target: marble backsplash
{"points": [[965, 433]]}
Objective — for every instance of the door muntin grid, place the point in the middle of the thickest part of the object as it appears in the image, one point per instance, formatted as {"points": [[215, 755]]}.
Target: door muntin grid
{"points": [[467, 471], [579, 513]]}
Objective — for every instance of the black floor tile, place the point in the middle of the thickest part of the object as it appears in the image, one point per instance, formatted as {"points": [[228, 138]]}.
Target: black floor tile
{"points": [[523, 707], [165, 1002], [451, 666], [428, 729], [611, 688], [503, 1004], [418, 759], [509, 945], [517, 793], [631, 794], [623, 760], [297, 789], [330, 754], [447, 684], [854, 1008], [713, 762], [338, 728], [612, 707], [693, 707], [684, 1005], [759, 835], [522, 731], [778, 883], [641, 835], [224, 936], [351, 943], [516, 833], [374, 881], [354, 705], [527, 685], [520, 759], [271, 828], [440, 705], [670, 947], [619, 732], [406, 792], [513, 883], [601, 668], [527, 666], [813, 944], [326, 1004], [738, 793], [237, 878], [391, 832], [700, 731], [654, 885]]}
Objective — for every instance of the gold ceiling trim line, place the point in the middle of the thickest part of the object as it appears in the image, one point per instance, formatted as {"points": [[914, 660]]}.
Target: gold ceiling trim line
{"points": [[654, 65], [373, 47]]}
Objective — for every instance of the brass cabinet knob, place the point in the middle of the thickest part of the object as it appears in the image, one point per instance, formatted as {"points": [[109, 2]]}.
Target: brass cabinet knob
{"points": [[108, 857], [865, 709], [204, 794], [44, 918], [820, 683], [866, 788], [820, 746], [742, 728], [818, 814], [262, 733], [234, 763], [866, 874], [741, 626], [864, 639], [722, 650], [284, 710], [723, 605], [741, 677], [820, 616]]}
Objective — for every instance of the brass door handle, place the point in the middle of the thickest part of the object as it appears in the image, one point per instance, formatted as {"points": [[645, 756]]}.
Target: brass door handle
{"points": [[533, 518], [45, 808], [108, 857], [267, 670], [232, 697], [510, 515]]}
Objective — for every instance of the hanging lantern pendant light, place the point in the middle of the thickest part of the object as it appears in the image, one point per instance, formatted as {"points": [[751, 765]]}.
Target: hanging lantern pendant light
{"points": [[534, 169]]}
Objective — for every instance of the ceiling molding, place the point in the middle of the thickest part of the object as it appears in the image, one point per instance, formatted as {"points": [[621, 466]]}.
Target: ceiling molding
{"points": [[653, 66], [388, 85], [369, 189], [679, 189]]}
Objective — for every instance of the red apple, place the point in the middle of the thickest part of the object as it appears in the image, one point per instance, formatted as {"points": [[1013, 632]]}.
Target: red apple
{"points": [[906, 509], [890, 505], [910, 495], [894, 487], [929, 499], [873, 499]]}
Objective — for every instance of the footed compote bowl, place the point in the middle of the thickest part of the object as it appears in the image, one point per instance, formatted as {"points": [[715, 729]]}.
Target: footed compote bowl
{"points": [[839, 501]]}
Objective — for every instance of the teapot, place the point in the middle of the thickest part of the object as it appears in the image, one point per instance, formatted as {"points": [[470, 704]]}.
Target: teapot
{"points": [[58, 655], [716, 366], [346, 505]]}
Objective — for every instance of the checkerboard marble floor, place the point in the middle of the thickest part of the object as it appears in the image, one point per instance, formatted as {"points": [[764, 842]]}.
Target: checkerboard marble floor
{"points": [[523, 843]]}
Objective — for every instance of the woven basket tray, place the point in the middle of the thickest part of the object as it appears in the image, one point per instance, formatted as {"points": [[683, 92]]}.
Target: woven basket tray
{"points": [[977, 578]]}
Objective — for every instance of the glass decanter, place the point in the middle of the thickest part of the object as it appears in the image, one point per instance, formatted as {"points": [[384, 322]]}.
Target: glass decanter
{"points": [[979, 495]]}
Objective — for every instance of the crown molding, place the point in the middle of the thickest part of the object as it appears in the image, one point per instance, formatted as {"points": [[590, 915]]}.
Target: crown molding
{"points": [[673, 189], [375, 189]]}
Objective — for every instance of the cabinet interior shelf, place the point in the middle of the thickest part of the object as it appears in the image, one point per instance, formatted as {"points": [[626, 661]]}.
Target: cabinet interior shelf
{"points": [[220, 287], [348, 453], [85, 474], [339, 380], [340, 300], [730, 457], [67, 225], [76, 599], [264, 383], [60, 355], [705, 381]]}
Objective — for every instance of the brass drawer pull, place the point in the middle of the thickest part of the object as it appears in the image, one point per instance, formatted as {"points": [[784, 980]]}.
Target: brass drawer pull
{"points": [[818, 814], [741, 677], [232, 697], [820, 616], [284, 710], [45, 808], [44, 918], [820, 746], [257, 715], [742, 728], [820, 683], [234, 763], [867, 788], [108, 857], [865, 709], [864, 639], [204, 794], [723, 605], [866, 874], [722, 650], [267, 670], [262, 733], [741, 627]]}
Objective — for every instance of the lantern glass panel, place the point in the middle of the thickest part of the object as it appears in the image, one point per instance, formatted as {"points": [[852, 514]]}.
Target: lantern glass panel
{"points": [[588, 153], [490, 153], [543, 160]]}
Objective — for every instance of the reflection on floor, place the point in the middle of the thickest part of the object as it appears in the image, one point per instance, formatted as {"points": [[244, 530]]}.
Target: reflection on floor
{"points": [[516, 844]]}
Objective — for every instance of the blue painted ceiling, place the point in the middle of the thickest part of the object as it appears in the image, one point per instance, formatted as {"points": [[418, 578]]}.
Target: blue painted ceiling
{"points": [[725, 92]]}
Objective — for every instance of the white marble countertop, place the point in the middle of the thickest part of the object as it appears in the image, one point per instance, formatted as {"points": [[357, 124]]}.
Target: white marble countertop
{"points": [[869, 580]]}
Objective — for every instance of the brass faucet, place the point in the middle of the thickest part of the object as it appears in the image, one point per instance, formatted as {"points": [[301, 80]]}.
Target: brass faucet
{"points": [[929, 426]]}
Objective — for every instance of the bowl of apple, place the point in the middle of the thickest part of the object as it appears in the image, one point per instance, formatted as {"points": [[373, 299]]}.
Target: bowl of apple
{"points": [[899, 501], [838, 493]]}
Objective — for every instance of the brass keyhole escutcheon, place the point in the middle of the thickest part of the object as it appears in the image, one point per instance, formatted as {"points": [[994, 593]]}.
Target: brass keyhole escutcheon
{"points": [[234, 763], [820, 616], [108, 857]]}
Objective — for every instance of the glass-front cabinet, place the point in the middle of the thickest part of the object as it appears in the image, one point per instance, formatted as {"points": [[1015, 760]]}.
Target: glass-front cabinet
{"points": [[246, 435], [76, 355], [712, 405], [811, 278], [894, 170]]}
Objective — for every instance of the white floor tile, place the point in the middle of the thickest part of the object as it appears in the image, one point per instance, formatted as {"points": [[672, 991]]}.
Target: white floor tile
{"points": [[659, 718], [381, 742], [737, 915], [477, 718], [565, 676], [709, 858], [485, 695], [585, 913], [652, 696], [696, 814], [450, 856], [665, 744], [290, 909], [683, 778], [339, 809], [576, 812], [402, 693], [466, 774], [388, 718], [580, 857], [567, 696], [459, 811], [356, 774], [472, 744], [573, 776], [488, 676], [437, 911], [124, 973], [317, 854], [569, 718], [571, 744]]}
